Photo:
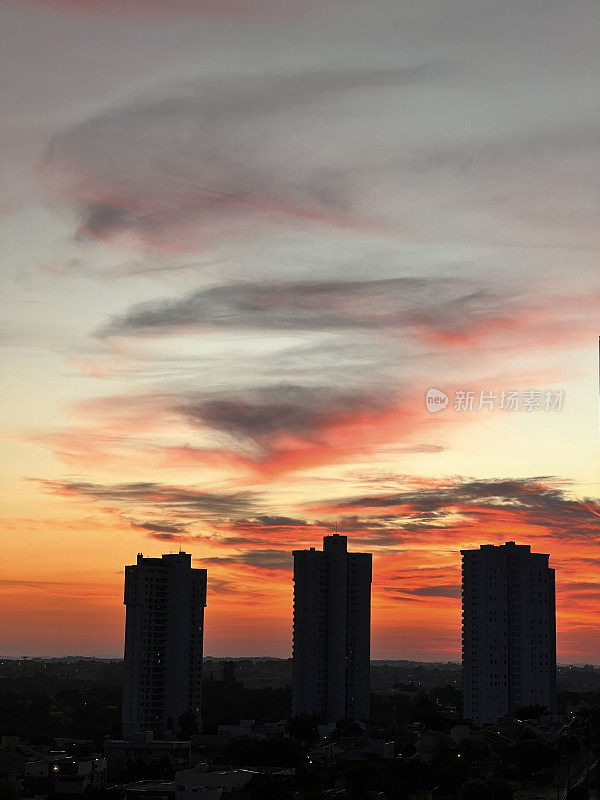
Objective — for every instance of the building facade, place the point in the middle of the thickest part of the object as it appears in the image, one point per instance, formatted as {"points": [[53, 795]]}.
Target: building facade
{"points": [[164, 628], [508, 631], [332, 631]]}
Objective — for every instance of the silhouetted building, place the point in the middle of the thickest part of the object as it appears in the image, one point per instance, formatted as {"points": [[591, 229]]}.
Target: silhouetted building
{"points": [[165, 600], [508, 631], [332, 621]]}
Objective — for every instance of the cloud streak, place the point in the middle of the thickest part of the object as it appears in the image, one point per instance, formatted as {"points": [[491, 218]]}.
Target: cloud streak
{"points": [[260, 559], [450, 305], [459, 504], [224, 173], [186, 501]]}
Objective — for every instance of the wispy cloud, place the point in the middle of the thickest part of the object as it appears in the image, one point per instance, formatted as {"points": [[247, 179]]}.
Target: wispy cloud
{"points": [[395, 303], [224, 174], [186, 501], [165, 529], [261, 559], [441, 590], [448, 506], [270, 413]]}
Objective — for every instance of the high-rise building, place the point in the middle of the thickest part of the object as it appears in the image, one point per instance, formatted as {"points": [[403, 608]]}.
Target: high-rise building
{"points": [[508, 631], [332, 626], [165, 600]]}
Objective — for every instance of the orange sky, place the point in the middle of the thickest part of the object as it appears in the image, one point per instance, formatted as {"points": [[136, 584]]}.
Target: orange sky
{"points": [[240, 243]]}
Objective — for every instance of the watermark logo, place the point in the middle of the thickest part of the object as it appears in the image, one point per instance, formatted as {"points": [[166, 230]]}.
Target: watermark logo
{"points": [[435, 400], [506, 400]]}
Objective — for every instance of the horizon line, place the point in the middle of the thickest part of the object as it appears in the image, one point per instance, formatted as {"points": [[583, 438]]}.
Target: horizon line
{"points": [[271, 658]]}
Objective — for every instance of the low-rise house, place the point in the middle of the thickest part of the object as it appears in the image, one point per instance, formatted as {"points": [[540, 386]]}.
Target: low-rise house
{"points": [[249, 728], [200, 794], [459, 733], [506, 732], [14, 755], [267, 730], [253, 682], [168, 790], [326, 729], [244, 727], [231, 780], [357, 750], [150, 790], [405, 696], [327, 754], [59, 774], [145, 748], [427, 746]]}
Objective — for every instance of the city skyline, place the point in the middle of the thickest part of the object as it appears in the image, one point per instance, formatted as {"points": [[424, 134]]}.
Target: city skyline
{"points": [[156, 559], [272, 270], [309, 564], [508, 635]]}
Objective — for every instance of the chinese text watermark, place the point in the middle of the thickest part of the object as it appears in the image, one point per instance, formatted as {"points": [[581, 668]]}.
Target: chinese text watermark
{"points": [[530, 400]]}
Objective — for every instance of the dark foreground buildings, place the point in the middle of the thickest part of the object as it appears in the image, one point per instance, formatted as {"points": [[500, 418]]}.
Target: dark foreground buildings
{"points": [[508, 631], [165, 600], [332, 620]]}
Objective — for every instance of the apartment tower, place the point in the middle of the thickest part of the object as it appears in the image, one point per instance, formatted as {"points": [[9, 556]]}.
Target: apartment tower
{"points": [[508, 631], [332, 621], [165, 600]]}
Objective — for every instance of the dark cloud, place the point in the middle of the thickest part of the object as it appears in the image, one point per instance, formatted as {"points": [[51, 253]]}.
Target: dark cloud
{"points": [[220, 586], [262, 559], [169, 529], [575, 585], [443, 590], [535, 501], [103, 217], [580, 590], [239, 540], [166, 531], [402, 598], [357, 523], [271, 521], [390, 539], [186, 501], [368, 531], [268, 526], [264, 415], [449, 305]]}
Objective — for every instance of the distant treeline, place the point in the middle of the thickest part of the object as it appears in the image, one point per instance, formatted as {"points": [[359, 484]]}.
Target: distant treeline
{"points": [[81, 697]]}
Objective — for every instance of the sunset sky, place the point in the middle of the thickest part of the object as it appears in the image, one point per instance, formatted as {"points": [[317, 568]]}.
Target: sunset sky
{"points": [[239, 243]]}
